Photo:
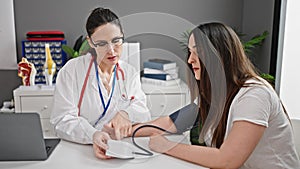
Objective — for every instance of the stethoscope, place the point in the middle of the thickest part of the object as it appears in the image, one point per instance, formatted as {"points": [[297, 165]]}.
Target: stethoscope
{"points": [[122, 88]]}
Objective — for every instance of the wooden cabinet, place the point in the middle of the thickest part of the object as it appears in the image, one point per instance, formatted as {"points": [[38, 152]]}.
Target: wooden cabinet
{"points": [[37, 99]]}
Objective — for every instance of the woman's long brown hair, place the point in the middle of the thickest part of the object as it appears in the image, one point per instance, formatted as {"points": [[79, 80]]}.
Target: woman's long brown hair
{"points": [[238, 68]]}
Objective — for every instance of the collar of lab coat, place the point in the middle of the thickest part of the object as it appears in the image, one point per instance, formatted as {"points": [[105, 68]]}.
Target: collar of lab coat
{"points": [[93, 79]]}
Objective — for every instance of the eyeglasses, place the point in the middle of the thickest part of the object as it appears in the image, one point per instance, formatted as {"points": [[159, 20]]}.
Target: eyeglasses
{"points": [[103, 45]]}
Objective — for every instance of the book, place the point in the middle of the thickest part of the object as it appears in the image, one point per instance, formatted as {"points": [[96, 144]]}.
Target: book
{"points": [[160, 64], [157, 71], [161, 82], [162, 76]]}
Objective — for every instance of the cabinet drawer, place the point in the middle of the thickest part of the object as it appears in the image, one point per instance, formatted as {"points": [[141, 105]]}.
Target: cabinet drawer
{"points": [[40, 104], [165, 104]]}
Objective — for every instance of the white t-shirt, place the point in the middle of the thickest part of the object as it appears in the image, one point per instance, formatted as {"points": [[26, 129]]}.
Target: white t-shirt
{"points": [[260, 104]]}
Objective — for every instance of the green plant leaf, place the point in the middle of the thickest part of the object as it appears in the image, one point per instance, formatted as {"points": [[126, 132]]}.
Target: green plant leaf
{"points": [[268, 77], [255, 41], [84, 47], [68, 50], [76, 54]]}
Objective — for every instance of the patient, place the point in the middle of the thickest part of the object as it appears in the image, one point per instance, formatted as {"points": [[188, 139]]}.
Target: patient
{"points": [[244, 124]]}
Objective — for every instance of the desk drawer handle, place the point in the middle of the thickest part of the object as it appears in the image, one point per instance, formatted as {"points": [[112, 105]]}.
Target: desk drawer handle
{"points": [[45, 107]]}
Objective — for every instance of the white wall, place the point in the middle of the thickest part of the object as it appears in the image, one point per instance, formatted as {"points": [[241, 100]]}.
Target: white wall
{"points": [[288, 82], [8, 51]]}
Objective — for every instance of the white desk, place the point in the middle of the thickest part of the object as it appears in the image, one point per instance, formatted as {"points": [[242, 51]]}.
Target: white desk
{"points": [[77, 156]]}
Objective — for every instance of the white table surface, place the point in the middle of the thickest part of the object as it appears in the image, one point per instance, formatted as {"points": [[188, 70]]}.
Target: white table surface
{"points": [[78, 156]]}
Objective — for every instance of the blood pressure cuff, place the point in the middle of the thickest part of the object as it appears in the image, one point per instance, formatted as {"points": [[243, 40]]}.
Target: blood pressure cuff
{"points": [[185, 118]]}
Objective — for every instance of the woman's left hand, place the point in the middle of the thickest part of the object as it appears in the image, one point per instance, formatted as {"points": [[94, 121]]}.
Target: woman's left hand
{"points": [[120, 126], [160, 144]]}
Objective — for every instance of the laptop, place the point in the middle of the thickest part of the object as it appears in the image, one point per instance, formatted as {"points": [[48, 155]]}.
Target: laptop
{"points": [[21, 138]]}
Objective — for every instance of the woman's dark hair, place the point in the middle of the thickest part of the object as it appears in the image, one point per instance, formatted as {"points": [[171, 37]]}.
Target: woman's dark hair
{"points": [[101, 16], [237, 67]]}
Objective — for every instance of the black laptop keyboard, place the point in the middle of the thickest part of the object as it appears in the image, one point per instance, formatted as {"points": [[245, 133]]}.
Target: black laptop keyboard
{"points": [[48, 148], [50, 144]]}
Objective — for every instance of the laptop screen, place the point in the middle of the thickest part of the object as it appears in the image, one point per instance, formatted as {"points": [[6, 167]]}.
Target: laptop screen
{"points": [[21, 137]]}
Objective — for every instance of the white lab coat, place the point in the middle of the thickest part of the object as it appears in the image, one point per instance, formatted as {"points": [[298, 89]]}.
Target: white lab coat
{"points": [[69, 82]]}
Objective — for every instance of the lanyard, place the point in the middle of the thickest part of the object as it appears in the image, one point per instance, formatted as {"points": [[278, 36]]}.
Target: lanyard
{"points": [[105, 107], [100, 93]]}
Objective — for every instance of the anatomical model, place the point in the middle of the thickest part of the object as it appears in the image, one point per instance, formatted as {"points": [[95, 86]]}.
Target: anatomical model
{"points": [[27, 72]]}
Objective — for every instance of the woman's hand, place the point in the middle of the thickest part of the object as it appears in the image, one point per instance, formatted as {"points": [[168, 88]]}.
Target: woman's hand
{"points": [[100, 144], [119, 127], [160, 144]]}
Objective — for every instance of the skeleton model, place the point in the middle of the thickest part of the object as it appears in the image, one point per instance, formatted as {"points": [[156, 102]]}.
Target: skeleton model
{"points": [[49, 66]]}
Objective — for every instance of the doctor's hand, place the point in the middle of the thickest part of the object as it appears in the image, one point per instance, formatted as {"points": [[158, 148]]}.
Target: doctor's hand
{"points": [[119, 127], [100, 144]]}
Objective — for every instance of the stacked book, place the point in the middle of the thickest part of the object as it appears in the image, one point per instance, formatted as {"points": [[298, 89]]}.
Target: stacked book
{"points": [[160, 72]]}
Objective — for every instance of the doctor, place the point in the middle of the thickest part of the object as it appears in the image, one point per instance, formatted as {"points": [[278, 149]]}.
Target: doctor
{"points": [[98, 89]]}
